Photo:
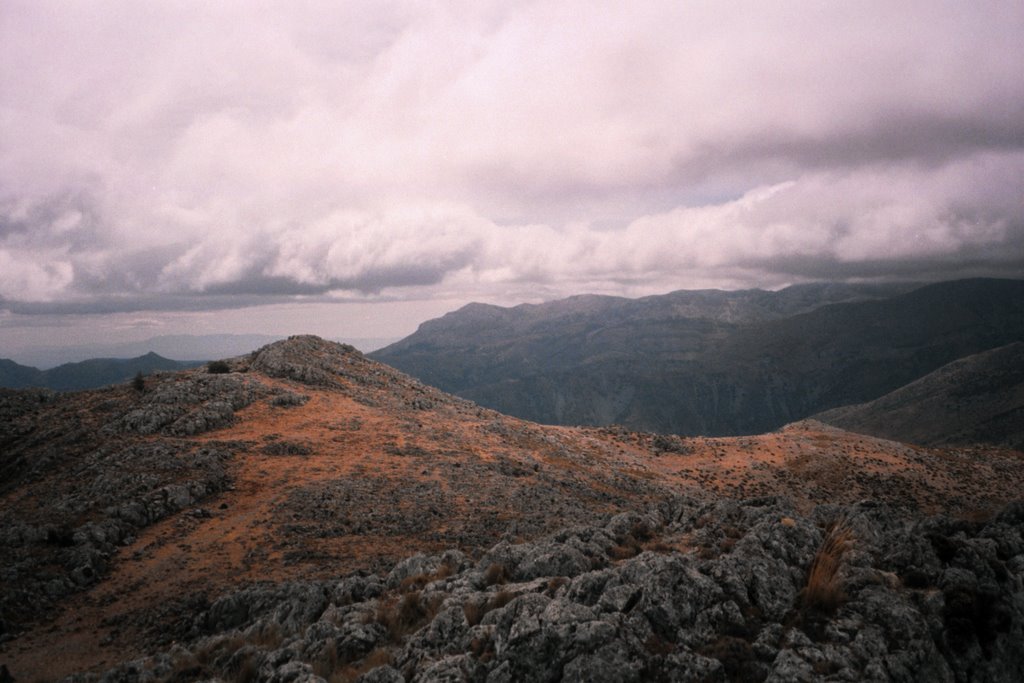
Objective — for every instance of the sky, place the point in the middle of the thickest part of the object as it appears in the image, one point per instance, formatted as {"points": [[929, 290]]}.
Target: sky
{"points": [[351, 169]]}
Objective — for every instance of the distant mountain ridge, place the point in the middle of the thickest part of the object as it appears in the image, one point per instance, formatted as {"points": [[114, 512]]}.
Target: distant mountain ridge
{"points": [[88, 374], [179, 346], [708, 362]]}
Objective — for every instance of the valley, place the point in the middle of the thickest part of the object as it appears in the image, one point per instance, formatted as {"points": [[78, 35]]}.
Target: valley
{"points": [[708, 362]]}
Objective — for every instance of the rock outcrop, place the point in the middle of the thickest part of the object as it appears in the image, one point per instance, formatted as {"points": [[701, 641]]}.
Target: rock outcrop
{"points": [[721, 591]]}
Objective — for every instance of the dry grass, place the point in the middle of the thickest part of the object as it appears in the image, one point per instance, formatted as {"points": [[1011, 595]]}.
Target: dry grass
{"points": [[624, 551], [981, 514], [420, 581], [414, 583], [501, 599], [824, 590], [378, 657], [327, 664], [632, 543], [403, 616], [475, 611], [496, 573], [482, 648], [217, 652]]}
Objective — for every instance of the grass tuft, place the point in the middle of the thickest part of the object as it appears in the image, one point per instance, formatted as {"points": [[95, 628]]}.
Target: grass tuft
{"points": [[495, 574], [824, 590]]}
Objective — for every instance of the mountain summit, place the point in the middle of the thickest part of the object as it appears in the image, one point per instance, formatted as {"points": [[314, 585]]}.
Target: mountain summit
{"points": [[306, 513]]}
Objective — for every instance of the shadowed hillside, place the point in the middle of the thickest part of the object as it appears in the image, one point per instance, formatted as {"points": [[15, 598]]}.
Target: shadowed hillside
{"points": [[656, 365], [977, 399], [87, 374]]}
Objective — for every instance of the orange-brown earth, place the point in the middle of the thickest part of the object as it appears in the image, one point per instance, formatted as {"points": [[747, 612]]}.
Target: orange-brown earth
{"points": [[364, 474]]}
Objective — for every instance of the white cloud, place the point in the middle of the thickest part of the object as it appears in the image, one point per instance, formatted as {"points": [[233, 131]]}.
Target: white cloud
{"points": [[25, 278], [173, 148]]}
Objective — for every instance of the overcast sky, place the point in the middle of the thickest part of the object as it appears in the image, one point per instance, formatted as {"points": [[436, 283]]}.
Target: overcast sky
{"points": [[237, 166]]}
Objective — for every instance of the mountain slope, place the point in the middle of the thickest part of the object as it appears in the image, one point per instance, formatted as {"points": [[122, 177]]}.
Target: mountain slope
{"points": [[977, 399], [648, 365], [87, 374], [128, 518], [15, 376]]}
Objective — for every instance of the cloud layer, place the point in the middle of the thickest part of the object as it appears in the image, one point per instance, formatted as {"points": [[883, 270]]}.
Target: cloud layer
{"points": [[180, 155]]}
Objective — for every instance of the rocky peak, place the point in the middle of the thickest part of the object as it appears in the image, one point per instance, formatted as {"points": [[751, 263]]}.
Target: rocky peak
{"points": [[308, 359]]}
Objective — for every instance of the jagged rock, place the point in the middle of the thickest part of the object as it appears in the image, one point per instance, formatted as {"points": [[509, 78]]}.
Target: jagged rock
{"points": [[108, 490], [304, 359], [187, 405], [381, 674], [292, 606], [670, 615]]}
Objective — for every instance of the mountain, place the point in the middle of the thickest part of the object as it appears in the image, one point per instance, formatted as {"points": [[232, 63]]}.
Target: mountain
{"points": [[181, 346], [314, 515], [714, 363], [977, 399], [15, 376], [88, 374]]}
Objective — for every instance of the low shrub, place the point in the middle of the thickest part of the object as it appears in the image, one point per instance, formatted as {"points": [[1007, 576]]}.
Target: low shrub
{"points": [[218, 367], [495, 574], [403, 616]]}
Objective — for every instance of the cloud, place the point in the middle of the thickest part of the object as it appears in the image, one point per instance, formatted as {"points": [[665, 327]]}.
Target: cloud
{"points": [[881, 212], [168, 155]]}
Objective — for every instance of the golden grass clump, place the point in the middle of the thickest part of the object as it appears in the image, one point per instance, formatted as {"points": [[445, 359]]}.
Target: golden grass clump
{"points": [[495, 574], [824, 589]]}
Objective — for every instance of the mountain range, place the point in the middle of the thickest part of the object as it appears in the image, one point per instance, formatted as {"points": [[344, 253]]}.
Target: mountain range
{"points": [[87, 374], [708, 362], [313, 515], [179, 346]]}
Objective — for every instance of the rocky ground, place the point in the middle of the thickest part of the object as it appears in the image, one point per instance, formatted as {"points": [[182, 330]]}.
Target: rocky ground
{"points": [[134, 519], [749, 591]]}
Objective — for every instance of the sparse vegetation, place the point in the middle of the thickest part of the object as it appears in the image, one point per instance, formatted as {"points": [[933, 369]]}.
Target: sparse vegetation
{"points": [[738, 658], [404, 615], [474, 611], [286, 447], [631, 544], [139, 382], [315, 539], [824, 590], [289, 399], [380, 656], [495, 574], [218, 367], [500, 599], [420, 581]]}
